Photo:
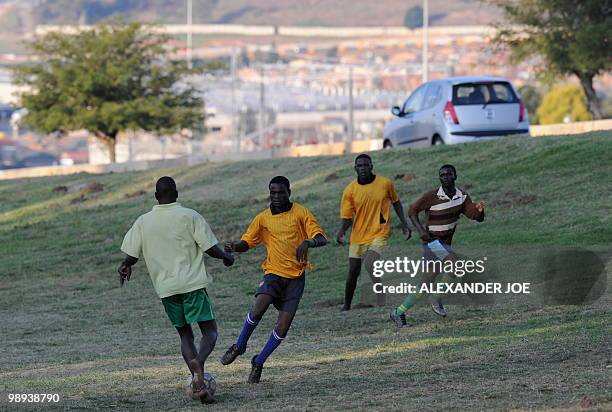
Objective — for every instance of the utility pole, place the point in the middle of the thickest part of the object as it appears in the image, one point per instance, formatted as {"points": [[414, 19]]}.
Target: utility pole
{"points": [[425, 39], [262, 107], [189, 39], [349, 140], [234, 132]]}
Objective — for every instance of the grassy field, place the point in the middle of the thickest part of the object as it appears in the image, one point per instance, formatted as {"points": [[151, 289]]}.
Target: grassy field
{"points": [[68, 328]]}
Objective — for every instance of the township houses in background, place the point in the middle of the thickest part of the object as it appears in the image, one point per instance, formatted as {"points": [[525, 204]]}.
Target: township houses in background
{"points": [[293, 86]]}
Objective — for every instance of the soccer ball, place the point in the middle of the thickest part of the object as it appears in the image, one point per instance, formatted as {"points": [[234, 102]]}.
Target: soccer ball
{"points": [[210, 382]]}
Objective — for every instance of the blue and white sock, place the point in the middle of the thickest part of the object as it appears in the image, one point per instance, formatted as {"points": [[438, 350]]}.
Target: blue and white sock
{"points": [[273, 343], [249, 326]]}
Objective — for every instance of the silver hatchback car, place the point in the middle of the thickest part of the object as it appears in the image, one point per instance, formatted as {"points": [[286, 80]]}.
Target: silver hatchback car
{"points": [[457, 110]]}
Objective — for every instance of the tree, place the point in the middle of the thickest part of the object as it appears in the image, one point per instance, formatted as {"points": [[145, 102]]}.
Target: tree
{"points": [[571, 37], [564, 103], [414, 17], [107, 80], [532, 99]]}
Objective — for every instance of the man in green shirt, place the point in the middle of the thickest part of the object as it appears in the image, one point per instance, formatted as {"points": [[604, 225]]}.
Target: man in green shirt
{"points": [[172, 239]]}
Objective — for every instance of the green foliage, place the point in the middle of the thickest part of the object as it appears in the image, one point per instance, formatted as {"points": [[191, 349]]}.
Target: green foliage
{"points": [[532, 99], [212, 65], [572, 38], [414, 17], [107, 80], [562, 101]]}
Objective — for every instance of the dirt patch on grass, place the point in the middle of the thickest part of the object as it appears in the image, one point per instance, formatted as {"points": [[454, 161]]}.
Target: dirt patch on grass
{"points": [[82, 190], [405, 177], [137, 193], [93, 187], [60, 189], [330, 177], [79, 199]]}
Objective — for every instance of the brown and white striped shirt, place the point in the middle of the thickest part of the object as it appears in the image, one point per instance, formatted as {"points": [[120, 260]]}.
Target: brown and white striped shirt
{"points": [[443, 213]]}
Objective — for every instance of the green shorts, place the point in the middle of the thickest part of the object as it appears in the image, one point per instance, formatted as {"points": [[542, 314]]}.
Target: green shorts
{"points": [[190, 307]]}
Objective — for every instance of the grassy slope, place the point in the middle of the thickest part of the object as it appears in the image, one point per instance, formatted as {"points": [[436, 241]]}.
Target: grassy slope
{"points": [[67, 328]]}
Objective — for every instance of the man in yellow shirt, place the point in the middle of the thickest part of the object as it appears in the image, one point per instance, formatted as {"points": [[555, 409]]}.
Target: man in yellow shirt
{"points": [[172, 239], [366, 207], [288, 230]]}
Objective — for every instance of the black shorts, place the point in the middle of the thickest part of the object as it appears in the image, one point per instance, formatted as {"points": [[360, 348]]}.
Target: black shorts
{"points": [[286, 292]]}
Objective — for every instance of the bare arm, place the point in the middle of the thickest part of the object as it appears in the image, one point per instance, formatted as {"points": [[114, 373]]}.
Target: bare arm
{"points": [[474, 211], [344, 225], [125, 269], [318, 241], [301, 252], [240, 246], [217, 253], [423, 233], [413, 215], [399, 210]]}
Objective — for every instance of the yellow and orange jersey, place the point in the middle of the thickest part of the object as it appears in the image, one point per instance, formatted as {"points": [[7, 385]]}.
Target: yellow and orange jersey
{"points": [[282, 233], [369, 206]]}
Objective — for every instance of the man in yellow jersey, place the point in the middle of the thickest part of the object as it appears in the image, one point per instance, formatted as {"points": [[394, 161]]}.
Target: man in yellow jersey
{"points": [[366, 205], [172, 240], [288, 230]]}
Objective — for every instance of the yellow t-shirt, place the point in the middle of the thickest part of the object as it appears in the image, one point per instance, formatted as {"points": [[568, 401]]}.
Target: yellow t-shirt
{"points": [[282, 234], [172, 240], [369, 207]]}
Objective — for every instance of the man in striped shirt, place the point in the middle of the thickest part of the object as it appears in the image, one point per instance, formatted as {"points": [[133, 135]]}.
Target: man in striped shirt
{"points": [[442, 208]]}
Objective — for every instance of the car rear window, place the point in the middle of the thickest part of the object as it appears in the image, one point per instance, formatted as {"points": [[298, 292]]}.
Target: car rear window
{"points": [[483, 92]]}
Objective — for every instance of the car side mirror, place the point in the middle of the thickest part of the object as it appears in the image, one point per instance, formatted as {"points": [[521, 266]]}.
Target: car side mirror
{"points": [[396, 111]]}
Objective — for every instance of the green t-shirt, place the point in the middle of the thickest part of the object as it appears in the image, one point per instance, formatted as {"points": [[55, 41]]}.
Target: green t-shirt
{"points": [[172, 240]]}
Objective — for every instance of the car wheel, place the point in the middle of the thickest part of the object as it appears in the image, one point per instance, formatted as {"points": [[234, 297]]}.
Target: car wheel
{"points": [[387, 144], [437, 140]]}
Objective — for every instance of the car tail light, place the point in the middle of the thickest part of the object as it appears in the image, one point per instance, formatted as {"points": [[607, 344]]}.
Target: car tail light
{"points": [[521, 111], [449, 113]]}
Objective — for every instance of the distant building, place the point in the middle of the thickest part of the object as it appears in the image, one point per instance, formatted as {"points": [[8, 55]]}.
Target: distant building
{"points": [[7, 89]]}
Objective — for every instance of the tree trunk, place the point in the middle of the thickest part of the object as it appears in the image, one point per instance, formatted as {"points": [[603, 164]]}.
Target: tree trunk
{"points": [[111, 142], [586, 80], [112, 154]]}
